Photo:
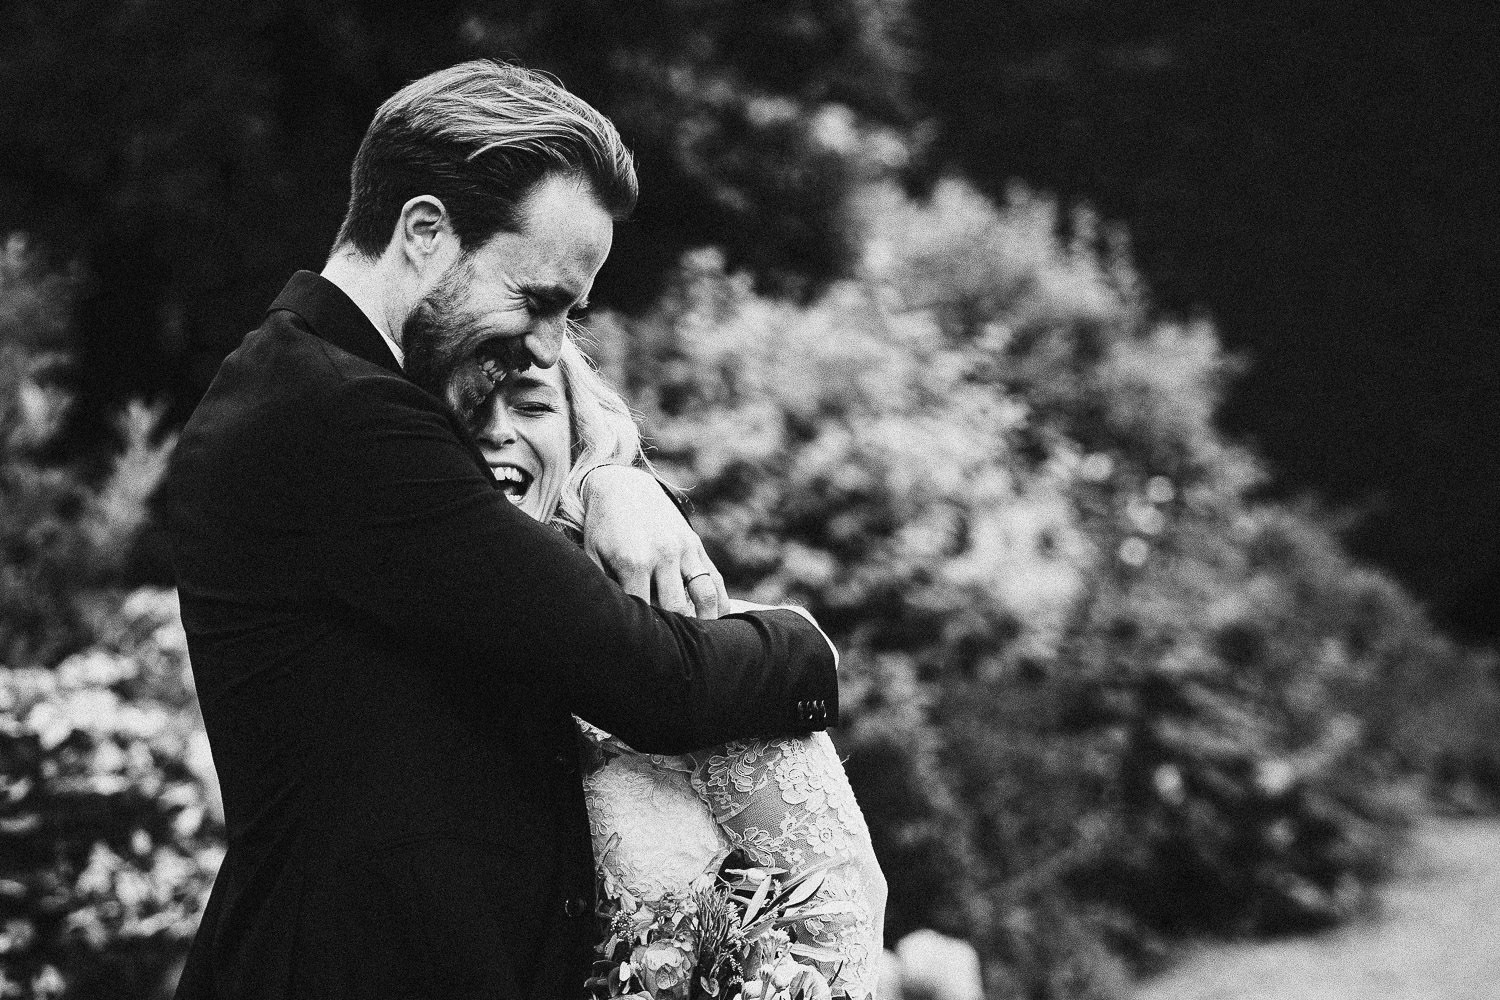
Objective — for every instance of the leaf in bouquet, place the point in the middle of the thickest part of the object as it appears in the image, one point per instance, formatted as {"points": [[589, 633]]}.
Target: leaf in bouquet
{"points": [[815, 953], [752, 908], [803, 889], [746, 879], [599, 986], [619, 978], [816, 872], [828, 909], [813, 869], [772, 919], [762, 925]]}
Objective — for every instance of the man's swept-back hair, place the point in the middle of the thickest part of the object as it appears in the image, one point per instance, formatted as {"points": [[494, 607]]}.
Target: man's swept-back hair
{"points": [[479, 136]]}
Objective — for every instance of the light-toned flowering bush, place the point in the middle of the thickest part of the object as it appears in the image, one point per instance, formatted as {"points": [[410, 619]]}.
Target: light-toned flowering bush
{"points": [[108, 817], [1097, 695]]}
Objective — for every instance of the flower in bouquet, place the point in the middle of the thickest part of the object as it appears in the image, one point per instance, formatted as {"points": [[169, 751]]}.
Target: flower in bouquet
{"points": [[788, 979], [665, 968], [808, 984], [730, 936]]}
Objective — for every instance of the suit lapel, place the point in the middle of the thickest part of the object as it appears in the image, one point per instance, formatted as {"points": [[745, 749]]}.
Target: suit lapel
{"points": [[334, 317]]}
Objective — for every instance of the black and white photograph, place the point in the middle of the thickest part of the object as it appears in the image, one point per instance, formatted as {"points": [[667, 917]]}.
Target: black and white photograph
{"points": [[749, 500]]}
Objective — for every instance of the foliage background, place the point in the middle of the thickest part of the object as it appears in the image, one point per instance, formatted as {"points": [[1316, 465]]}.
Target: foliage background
{"points": [[1108, 691], [110, 827], [1315, 178]]}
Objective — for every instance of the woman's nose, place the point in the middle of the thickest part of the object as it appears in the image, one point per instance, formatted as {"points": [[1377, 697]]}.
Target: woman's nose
{"points": [[498, 430]]}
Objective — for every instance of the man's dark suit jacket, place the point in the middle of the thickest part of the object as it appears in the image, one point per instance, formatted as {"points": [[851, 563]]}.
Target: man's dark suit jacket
{"points": [[387, 654]]}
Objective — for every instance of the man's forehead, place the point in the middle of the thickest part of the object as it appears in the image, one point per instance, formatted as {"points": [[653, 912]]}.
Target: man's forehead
{"points": [[564, 229], [543, 266]]}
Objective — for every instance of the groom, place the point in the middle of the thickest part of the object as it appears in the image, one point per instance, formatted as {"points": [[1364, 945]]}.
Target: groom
{"points": [[387, 651]]}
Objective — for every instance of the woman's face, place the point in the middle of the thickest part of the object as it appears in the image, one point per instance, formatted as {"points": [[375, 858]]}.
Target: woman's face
{"points": [[526, 433]]}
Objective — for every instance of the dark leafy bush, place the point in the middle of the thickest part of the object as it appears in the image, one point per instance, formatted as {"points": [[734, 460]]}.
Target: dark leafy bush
{"points": [[109, 826], [64, 530]]}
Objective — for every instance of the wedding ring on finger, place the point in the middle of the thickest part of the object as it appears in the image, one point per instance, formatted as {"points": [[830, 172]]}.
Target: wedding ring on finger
{"points": [[695, 576]]}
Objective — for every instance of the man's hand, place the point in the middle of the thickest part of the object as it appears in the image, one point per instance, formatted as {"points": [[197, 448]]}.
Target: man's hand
{"points": [[636, 535]]}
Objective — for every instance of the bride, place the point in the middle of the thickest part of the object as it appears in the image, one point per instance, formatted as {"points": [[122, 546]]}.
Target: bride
{"points": [[658, 822]]}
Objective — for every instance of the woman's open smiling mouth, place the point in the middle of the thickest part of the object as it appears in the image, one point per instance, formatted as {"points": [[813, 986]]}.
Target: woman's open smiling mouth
{"points": [[514, 482]]}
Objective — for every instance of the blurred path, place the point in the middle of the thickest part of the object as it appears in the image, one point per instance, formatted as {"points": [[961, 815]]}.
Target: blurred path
{"points": [[1437, 937]]}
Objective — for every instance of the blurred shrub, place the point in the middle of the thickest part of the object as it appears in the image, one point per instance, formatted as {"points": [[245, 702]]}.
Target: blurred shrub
{"points": [[109, 829], [1098, 697], [64, 530], [928, 966]]}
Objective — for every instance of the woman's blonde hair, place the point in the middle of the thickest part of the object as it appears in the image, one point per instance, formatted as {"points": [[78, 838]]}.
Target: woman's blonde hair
{"points": [[604, 431]]}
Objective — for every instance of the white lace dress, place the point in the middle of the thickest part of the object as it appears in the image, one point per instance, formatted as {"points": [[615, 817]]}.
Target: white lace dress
{"points": [[658, 822]]}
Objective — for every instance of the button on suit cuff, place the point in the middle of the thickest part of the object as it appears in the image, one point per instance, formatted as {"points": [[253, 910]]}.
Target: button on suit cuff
{"points": [[813, 712]]}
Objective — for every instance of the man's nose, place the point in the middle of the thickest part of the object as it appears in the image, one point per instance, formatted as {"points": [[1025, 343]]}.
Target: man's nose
{"points": [[544, 343]]}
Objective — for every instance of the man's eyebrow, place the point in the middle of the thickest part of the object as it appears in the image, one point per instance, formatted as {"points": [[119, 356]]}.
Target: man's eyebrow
{"points": [[555, 295]]}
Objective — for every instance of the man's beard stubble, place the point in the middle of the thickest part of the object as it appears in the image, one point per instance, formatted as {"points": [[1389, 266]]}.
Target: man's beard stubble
{"points": [[441, 342]]}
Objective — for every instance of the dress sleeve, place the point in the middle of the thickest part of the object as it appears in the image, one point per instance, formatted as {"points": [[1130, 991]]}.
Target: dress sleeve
{"points": [[787, 803]]}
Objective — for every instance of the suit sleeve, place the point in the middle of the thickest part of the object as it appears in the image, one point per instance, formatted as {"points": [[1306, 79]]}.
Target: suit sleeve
{"points": [[422, 544]]}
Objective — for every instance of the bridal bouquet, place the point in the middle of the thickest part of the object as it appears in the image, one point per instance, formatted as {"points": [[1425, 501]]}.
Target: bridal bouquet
{"points": [[731, 936]]}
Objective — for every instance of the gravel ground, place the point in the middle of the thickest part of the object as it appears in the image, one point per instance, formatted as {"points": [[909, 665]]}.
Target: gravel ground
{"points": [[1437, 937]]}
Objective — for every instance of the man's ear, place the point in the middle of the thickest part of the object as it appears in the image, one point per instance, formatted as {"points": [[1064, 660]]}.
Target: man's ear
{"points": [[423, 232]]}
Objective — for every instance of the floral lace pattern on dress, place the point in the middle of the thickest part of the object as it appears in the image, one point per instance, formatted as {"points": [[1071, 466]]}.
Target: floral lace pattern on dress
{"points": [[649, 827], [785, 801]]}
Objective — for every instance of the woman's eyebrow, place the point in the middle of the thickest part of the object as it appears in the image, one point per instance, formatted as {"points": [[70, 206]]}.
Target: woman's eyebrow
{"points": [[524, 381]]}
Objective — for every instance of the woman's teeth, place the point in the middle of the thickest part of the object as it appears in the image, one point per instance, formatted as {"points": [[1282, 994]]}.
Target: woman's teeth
{"points": [[513, 482]]}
